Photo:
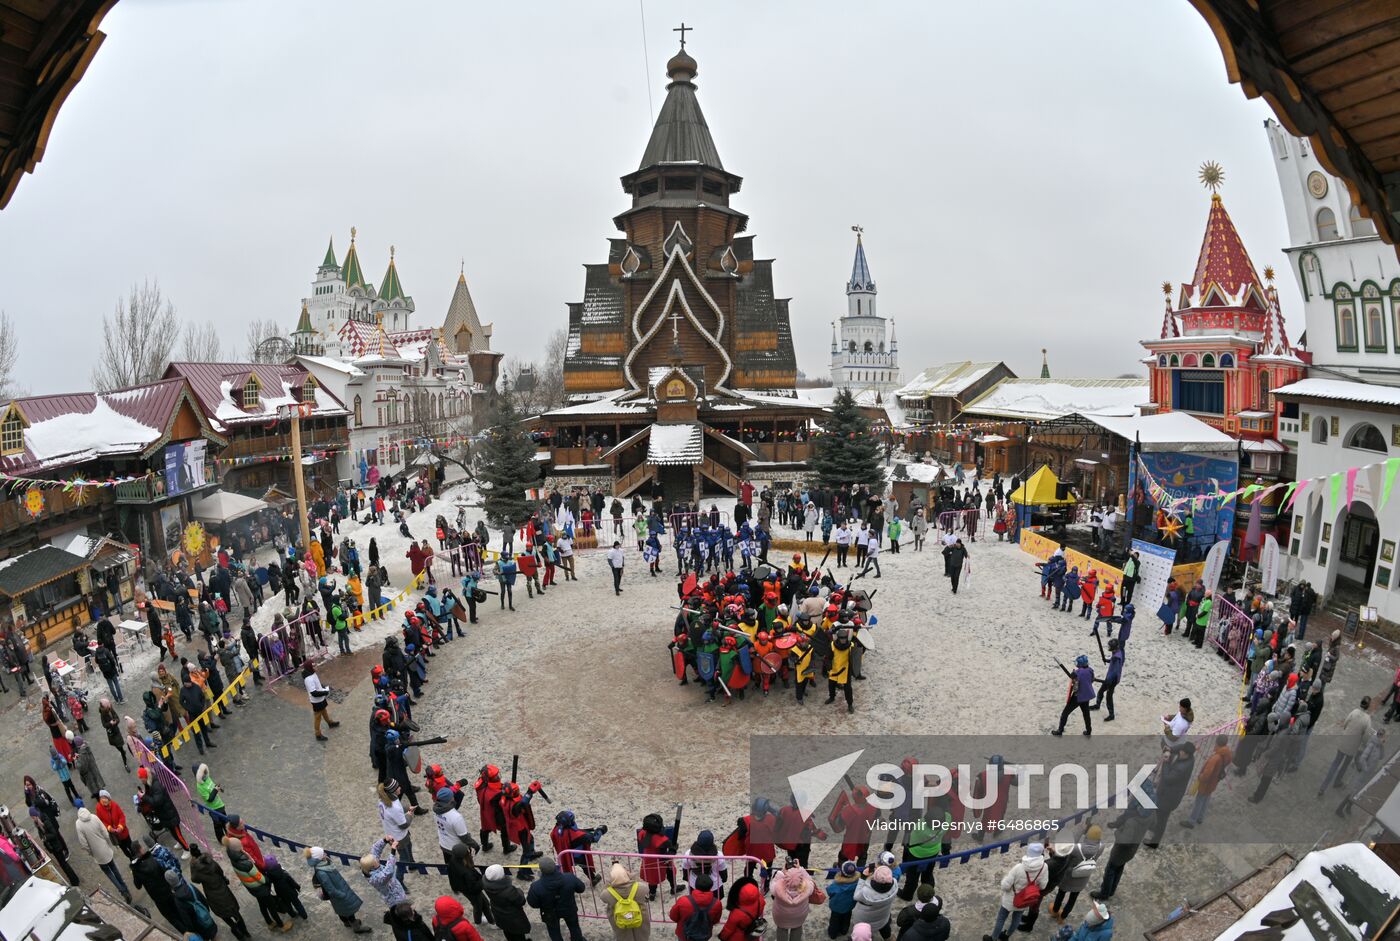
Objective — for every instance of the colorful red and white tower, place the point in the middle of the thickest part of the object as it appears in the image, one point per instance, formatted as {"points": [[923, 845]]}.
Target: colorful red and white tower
{"points": [[1223, 349]]}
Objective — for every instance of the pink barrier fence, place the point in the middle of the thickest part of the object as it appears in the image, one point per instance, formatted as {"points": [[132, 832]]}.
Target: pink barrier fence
{"points": [[594, 903], [191, 825], [1230, 630]]}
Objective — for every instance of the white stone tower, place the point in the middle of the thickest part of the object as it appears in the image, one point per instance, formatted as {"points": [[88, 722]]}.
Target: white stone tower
{"points": [[864, 351]]}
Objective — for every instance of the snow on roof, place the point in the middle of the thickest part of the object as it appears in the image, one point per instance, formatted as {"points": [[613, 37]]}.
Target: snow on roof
{"points": [[1045, 399], [603, 405], [102, 431], [1265, 446], [947, 379], [330, 362], [1170, 431], [768, 397], [676, 444], [1341, 390], [1336, 874], [920, 472]]}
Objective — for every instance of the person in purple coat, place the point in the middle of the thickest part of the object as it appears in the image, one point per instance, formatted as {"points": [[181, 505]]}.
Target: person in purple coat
{"points": [[1081, 694], [1111, 677]]}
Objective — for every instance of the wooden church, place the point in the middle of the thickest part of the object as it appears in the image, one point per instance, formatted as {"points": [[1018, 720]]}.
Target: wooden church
{"points": [[680, 366]]}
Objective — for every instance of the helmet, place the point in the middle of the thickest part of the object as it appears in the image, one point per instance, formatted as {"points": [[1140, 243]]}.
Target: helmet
{"points": [[421, 606], [434, 771], [377, 671], [493, 773], [797, 557], [381, 716], [391, 736], [782, 609], [1081, 661], [763, 637], [729, 643], [432, 590], [749, 614], [565, 818]]}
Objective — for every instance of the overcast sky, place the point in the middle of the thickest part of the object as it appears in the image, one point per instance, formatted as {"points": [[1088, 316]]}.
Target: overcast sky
{"points": [[1025, 172]]}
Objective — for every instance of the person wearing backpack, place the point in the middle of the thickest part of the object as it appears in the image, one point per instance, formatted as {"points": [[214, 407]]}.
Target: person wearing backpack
{"points": [[745, 919], [627, 909], [1021, 889], [697, 912], [450, 922], [1082, 863], [553, 894]]}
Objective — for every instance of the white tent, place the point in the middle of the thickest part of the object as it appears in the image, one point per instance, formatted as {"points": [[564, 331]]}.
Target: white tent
{"points": [[224, 507]]}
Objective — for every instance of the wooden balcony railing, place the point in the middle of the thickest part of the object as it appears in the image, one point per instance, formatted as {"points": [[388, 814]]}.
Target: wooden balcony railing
{"points": [[782, 451], [720, 474], [151, 489], [634, 478]]}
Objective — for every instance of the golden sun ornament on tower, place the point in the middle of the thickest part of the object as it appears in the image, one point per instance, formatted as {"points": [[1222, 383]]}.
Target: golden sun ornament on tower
{"points": [[1212, 176], [1167, 288], [1269, 273]]}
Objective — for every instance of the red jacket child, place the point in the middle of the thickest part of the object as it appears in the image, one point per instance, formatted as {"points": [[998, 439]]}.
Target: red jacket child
{"points": [[696, 900]]}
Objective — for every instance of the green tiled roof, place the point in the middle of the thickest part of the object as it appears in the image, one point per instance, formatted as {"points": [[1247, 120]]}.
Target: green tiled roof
{"points": [[330, 261], [351, 269], [390, 287]]}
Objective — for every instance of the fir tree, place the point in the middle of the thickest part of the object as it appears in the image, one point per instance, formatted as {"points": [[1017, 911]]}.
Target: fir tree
{"points": [[847, 452], [506, 466]]}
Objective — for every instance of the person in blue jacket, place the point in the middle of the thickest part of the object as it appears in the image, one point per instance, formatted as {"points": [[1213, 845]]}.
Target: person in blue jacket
{"points": [[1097, 926], [841, 898], [1081, 694], [1069, 585], [1111, 678], [505, 577]]}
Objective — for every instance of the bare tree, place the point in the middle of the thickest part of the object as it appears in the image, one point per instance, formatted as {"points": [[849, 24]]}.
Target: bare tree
{"points": [[539, 386], [202, 344], [259, 331], [9, 355], [137, 339]]}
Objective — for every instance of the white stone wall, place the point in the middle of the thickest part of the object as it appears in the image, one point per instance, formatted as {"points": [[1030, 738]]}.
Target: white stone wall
{"points": [[1317, 525]]}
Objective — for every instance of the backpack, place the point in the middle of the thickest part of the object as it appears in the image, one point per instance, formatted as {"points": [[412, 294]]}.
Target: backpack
{"points": [[1029, 896], [696, 926], [627, 913], [444, 932]]}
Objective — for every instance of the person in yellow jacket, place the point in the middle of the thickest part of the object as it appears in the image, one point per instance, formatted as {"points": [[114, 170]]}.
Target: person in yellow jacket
{"points": [[357, 590], [802, 664], [839, 676], [318, 556]]}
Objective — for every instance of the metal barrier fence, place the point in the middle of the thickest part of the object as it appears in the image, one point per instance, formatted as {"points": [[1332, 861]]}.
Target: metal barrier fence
{"points": [[966, 522], [1231, 630], [595, 901], [190, 825]]}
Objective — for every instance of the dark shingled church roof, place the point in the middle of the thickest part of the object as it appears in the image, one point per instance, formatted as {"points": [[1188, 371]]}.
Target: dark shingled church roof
{"points": [[681, 134]]}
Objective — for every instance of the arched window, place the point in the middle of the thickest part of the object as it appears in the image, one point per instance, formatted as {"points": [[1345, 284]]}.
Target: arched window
{"points": [[1319, 429], [441, 412], [1162, 360], [1327, 225], [358, 420], [1366, 437], [1346, 326], [1227, 361], [1360, 226], [869, 347], [1189, 360], [1264, 390], [852, 346], [1175, 361], [1208, 361]]}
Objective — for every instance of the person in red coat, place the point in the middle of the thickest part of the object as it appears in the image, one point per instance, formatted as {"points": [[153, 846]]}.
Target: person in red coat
{"points": [[700, 899], [853, 816], [1088, 588], [488, 792], [568, 835], [448, 914], [745, 909], [114, 819], [415, 559], [655, 839], [520, 822]]}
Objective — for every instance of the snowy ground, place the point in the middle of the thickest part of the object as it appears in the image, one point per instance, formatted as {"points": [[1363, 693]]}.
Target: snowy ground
{"points": [[578, 683]]}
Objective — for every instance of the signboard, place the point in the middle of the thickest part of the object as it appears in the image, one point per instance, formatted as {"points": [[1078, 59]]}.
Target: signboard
{"points": [[1154, 569], [1268, 564], [184, 466], [1215, 563], [1353, 622]]}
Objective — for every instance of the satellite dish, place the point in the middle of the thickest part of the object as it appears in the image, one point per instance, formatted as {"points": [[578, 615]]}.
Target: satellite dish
{"points": [[274, 350]]}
